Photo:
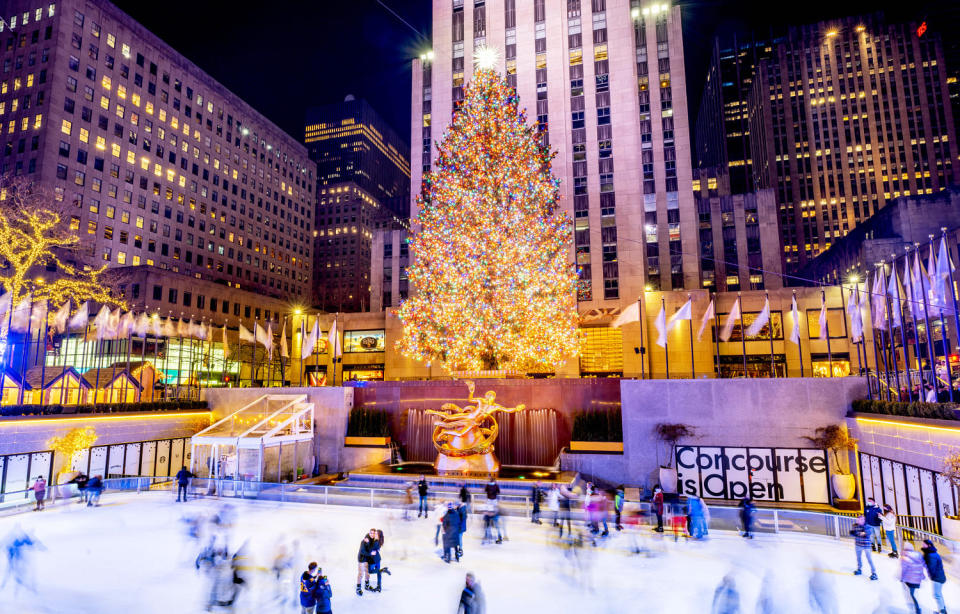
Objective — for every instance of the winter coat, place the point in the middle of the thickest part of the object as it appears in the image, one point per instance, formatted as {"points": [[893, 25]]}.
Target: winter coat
{"points": [[553, 499], [95, 484], [422, 488], [860, 536], [872, 515], [934, 564], [472, 601], [308, 589], [464, 494], [451, 527], [369, 548], [493, 490], [658, 502], [40, 487], [183, 477], [537, 496], [618, 500], [323, 593], [912, 568], [462, 513], [889, 521]]}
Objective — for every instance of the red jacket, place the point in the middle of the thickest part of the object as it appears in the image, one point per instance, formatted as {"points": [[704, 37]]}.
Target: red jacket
{"points": [[658, 502]]}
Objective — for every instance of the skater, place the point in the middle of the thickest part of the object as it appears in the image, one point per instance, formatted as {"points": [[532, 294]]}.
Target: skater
{"points": [[861, 539], [376, 567], [699, 517], [603, 511], [747, 509], [309, 582], [471, 599], [81, 481], [489, 522], [912, 573], [408, 501], [657, 502], [462, 513], [451, 532], [565, 497], [934, 563], [282, 564], [183, 479], [536, 495], [726, 599], [39, 492], [368, 558], [618, 506], [872, 513], [492, 488], [323, 594], [889, 523], [18, 545], [464, 495], [422, 490], [553, 503], [94, 489]]}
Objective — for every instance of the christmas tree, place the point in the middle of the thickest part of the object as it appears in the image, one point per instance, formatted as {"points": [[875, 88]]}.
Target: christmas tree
{"points": [[492, 280]]}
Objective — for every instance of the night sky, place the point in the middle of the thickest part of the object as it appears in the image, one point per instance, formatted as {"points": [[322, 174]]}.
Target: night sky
{"points": [[283, 56]]}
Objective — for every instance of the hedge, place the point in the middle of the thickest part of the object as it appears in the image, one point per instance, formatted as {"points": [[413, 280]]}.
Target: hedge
{"points": [[366, 422], [917, 409], [597, 425], [101, 408]]}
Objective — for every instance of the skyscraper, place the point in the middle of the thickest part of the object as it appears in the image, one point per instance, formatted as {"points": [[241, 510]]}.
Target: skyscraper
{"points": [[843, 117], [605, 80]]}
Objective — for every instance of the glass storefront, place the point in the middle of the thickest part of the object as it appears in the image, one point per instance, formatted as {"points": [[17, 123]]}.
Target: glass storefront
{"points": [[601, 352], [758, 365], [362, 373]]}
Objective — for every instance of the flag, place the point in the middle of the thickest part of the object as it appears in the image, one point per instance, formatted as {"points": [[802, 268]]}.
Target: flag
{"points": [[5, 302], [59, 322], [199, 331], [879, 292], [908, 295], [943, 276], [284, 352], [795, 314], [156, 329], [125, 327], [856, 318], [20, 319], [246, 335], [630, 314], [895, 292], [822, 320], [762, 318], [38, 317], [102, 323], [920, 284], [169, 329], [113, 326], [661, 325], [81, 318], [707, 317], [310, 340], [732, 318], [183, 329], [334, 340], [226, 344], [264, 336], [142, 326]]}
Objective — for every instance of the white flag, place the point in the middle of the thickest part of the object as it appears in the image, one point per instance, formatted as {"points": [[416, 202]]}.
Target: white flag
{"points": [[310, 340], [894, 290], [284, 352], [5, 302], [822, 321], [762, 318], [856, 319], [630, 314], [38, 317], [142, 325], [102, 323], [226, 344], [125, 327], [795, 314], [908, 295], [199, 330], [246, 335], [114, 325], [169, 329], [879, 293], [183, 329], [20, 320], [156, 328], [943, 277], [732, 318], [707, 317], [661, 325], [920, 286], [59, 322], [264, 337], [81, 318], [334, 340]]}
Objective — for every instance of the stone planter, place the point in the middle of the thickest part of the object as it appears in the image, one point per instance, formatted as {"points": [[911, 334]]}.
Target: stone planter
{"points": [[844, 485], [378, 442], [608, 447], [668, 480], [951, 528]]}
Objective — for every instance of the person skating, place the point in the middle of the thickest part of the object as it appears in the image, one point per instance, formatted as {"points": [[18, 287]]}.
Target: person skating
{"points": [[536, 495], [368, 545], [81, 481], [699, 516], [183, 480], [889, 523], [747, 509], [451, 532], [726, 599], [408, 501], [39, 492], [462, 512], [423, 490], [94, 489], [861, 543], [618, 506], [553, 503], [471, 598], [375, 564], [872, 513], [324, 594], [565, 496], [912, 573], [931, 558], [492, 489], [464, 495], [657, 504]]}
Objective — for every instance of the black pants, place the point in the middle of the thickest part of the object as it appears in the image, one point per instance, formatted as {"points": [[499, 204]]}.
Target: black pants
{"points": [[423, 509], [659, 521], [182, 488], [913, 589]]}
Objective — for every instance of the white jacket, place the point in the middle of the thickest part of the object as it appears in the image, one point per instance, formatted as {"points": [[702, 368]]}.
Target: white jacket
{"points": [[889, 521], [553, 499]]}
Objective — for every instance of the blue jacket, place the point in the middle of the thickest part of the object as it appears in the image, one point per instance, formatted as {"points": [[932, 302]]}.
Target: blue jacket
{"points": [[308, 589], [183, 477], [323, 593], [872, 515], [934, 564]]}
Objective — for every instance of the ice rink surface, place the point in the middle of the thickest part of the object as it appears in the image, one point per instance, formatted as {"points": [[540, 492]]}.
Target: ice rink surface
{"points": [[132, 555]]}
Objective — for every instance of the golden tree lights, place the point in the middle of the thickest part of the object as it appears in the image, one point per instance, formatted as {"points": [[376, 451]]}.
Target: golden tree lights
{"points": [[492, 284]]}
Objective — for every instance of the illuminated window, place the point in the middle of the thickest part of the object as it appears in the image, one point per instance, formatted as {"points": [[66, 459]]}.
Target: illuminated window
{"points": [[66, 127], [106, 82], [121, 91], [104, 102], [115, 150], [125, 50], [37, 121], [29, 80], [101, 143], [111, 40], [136, 261], [136, 100], [149, 107], [131, 158], [121, 257]]}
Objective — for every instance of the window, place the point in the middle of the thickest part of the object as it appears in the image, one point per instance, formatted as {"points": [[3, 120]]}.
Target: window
{"points": [[172, 296], [363, 341]]}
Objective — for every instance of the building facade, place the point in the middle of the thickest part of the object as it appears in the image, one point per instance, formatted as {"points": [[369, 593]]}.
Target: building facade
{"points": [[389, 259], [157, 163], [605, 81], [844, 117], [348, 217]]}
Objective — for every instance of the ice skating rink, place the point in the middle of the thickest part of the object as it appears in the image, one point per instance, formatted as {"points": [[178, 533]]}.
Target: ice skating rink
{"points": [[133, 554]]}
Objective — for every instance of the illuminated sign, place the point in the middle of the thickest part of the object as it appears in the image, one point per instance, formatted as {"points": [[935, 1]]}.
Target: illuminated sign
{"points": [[921, 29]]}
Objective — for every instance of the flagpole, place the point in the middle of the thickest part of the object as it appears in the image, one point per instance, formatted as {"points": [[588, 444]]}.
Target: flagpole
{"points": [[7, 351], [883, 347], [903, 330], [953, 290], [43, 363], [156, 358], [856, 346], [302, 328], [743, 335], [916, 329], [893, 349], [27, 341], [863, 337], [640, 301], [143, 353], [946, 353], [873, 328], [336, 338], [96, 386], [926, 321], [716, 331], [826, 322], [693, 370], [799, 338], [63, 381], [773, 368], [269, 362]]}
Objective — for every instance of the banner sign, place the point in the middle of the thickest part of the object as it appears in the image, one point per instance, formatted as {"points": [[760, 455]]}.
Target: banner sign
{"points": [[792, 475]]}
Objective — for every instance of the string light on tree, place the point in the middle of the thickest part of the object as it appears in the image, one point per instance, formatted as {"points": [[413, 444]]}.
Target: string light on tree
{"points": [[492, 282]]}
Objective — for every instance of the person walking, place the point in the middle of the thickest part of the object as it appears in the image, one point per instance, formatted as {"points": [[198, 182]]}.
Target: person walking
{"points": [[889, 523], [451, 532], [553, 502], [747, 509], [657, 504], [536, 495], [872, 513], [912, 573], [471, 598], [931, 558], [183, 480], [423, 490], [39, 492], [861, 542]]}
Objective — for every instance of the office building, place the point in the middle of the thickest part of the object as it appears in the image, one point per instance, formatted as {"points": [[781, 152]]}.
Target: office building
{"points": [[389, 259], [605, 81], [160, 165], [844, 117]]}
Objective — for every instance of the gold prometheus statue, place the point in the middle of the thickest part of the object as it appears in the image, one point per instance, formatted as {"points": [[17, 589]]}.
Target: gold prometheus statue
{"points": [[464, 436]]}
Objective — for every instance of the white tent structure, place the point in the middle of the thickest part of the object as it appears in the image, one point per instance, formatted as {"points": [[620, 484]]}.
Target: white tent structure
{"points": [[267, 440]]}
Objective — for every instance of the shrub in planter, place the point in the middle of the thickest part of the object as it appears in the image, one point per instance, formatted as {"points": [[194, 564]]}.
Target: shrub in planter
{"points": [[366, 422], [597, 425]]}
